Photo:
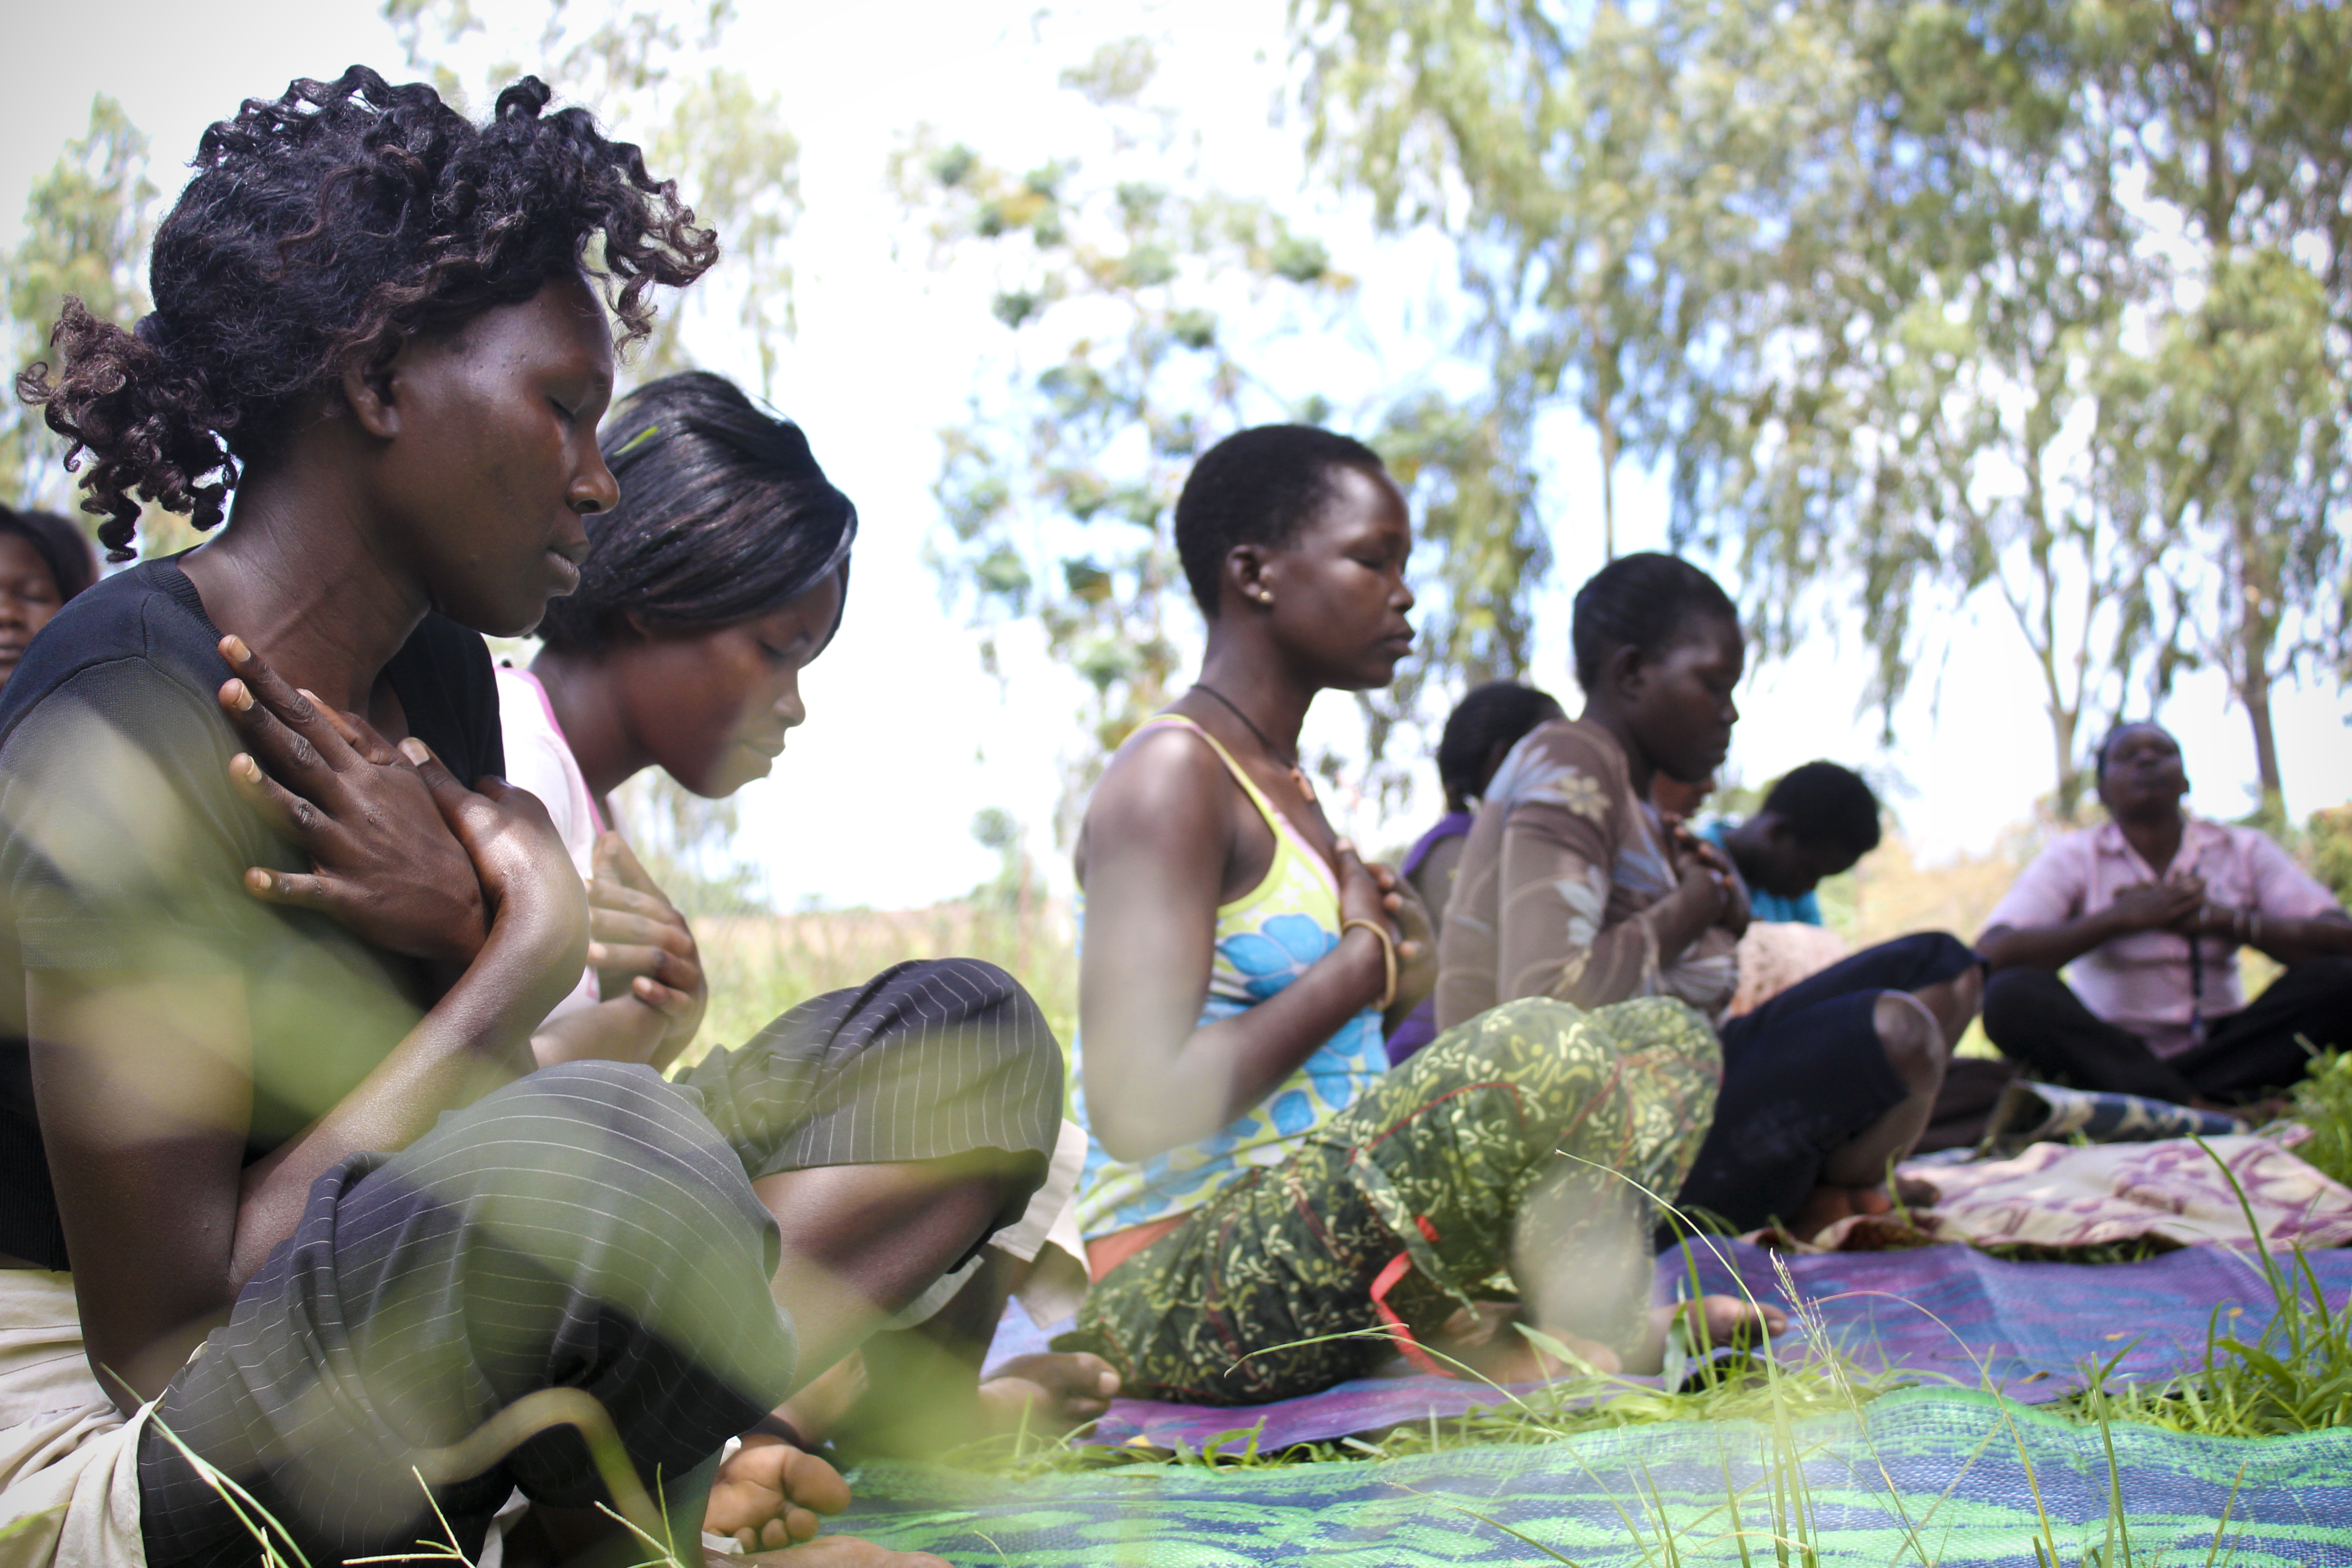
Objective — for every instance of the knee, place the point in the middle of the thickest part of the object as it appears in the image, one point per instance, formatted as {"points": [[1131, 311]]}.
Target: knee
{"points": [[611, 1137], [2332, 974], [1911, 1040], [2012, 997], [1539, 1028]]}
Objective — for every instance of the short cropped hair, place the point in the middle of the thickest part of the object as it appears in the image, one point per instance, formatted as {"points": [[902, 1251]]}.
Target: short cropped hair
{"points": [[1640, 601], [2099, 758], [724, 515], [1827, 807], [62, 546], [1497, 713], [1256, 487]]}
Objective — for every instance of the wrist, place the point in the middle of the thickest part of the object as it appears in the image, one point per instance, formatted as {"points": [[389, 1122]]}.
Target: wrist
{"points": [[1376, 958]]}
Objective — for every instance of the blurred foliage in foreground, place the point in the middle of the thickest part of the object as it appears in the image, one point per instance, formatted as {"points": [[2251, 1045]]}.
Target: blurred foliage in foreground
{"points": [[2043, 301]]}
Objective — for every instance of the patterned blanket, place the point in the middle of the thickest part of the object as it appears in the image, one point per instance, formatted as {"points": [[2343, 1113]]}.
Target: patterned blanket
{"points": [[2057, 1194], [1924, 1477], [1951, 1314]]}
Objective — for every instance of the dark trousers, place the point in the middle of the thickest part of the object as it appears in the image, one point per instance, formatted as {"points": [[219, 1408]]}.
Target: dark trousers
{"points": [[589, 1227], [2036, 1018], [1803, 1074]]}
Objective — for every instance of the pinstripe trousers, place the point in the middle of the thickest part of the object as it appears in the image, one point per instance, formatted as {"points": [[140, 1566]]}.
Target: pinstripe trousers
{"points": [[591, 1227]]}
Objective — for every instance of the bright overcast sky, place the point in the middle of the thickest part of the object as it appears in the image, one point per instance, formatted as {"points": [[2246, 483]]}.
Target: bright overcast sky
{"points": [[906, 738]]}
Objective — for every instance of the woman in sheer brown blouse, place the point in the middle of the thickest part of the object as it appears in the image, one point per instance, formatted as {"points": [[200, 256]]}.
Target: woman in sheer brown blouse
{"points": [[1573, 887]]}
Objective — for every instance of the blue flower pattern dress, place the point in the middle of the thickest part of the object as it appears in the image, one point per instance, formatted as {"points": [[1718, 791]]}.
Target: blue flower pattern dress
{"points": [[1265, 939]]}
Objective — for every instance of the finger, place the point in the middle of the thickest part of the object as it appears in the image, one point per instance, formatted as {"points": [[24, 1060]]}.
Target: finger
{"points": [[295, 709], [447, 791], [612, 925], [288, 754], [624, 958], [612, 893], [662, 999], [631, 872], [296, 889], [286, 814], [361, 736]]}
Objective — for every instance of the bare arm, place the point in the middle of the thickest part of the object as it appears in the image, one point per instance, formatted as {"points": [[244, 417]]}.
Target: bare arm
{"points": [[2296, 941], [1158, 835], [145, 1093]]}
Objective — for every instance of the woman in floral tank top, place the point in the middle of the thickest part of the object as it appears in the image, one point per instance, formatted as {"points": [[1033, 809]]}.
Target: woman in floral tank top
{"points": [[1255, 1180]]}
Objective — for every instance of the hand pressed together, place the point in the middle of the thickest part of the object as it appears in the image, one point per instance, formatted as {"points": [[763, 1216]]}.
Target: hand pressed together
{"points": [[649, 969]]}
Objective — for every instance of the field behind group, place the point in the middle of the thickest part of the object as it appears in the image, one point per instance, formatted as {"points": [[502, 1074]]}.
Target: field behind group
{"points": [[761, 965]]}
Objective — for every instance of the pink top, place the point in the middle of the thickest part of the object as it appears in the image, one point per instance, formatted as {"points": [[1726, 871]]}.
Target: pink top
{"points": [[540, 759], [2141, 982]]}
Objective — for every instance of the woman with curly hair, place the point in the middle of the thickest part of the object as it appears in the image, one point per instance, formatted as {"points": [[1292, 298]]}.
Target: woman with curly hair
{"points": [[288, 1213]]}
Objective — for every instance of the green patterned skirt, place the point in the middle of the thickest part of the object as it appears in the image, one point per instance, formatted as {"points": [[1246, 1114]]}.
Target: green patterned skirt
{"points": [[1524, 1140]]}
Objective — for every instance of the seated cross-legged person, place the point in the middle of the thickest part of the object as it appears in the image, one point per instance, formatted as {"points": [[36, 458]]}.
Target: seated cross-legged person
{"points": [[1479, 734], [1573, 886], [287, 1198], [1261, 1198], [719, 576], [2149, 908]]}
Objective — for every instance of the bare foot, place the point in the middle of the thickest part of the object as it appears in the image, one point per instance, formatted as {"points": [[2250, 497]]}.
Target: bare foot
{"points": [[1514, 1358], [1711, 1320], [1051, 1392], [1917, 1192], [769, 1494], [821, 1402], [1824, 1207], [832, 1552], [1827, 1205]]}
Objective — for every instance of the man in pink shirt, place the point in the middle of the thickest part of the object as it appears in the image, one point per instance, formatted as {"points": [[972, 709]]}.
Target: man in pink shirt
{"points": [[2149, 909]]}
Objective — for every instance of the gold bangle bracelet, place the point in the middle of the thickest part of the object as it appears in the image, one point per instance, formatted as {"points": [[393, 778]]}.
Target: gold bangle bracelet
{"points": [[1388, 956]]}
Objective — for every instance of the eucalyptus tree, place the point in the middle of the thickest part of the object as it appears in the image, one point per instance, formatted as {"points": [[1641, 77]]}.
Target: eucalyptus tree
{"points": [[1140, 303], [86, 224], [2233, 428], [2011, 298]]}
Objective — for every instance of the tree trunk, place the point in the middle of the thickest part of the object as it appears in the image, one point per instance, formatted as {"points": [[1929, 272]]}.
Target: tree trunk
{"points": [[2063, 723], [2257, 629], [1607, 421]]}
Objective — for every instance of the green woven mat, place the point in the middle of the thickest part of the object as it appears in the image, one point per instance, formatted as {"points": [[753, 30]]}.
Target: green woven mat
{"points": [[1925, 1477]]}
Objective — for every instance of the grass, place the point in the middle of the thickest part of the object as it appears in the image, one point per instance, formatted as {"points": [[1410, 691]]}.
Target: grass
{"points": [[762, 965], [2323, 1102], [1777, 1514]]}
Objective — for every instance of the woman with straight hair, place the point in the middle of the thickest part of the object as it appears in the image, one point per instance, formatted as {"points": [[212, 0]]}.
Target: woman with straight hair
{"points": [[720, 576]]}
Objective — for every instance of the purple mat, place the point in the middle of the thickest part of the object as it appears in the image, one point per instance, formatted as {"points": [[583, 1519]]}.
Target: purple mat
{"points": [[1943, 1312]]}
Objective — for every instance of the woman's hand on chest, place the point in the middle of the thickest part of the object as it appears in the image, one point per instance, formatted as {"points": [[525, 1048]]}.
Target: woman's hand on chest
{"points": [[383, 862]]}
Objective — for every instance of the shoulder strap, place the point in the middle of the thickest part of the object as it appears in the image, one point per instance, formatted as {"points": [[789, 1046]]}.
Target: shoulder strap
{"points": [[1274, 820]]}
